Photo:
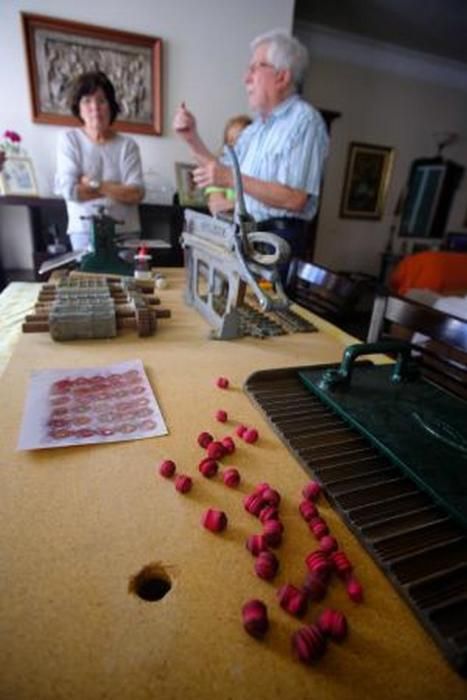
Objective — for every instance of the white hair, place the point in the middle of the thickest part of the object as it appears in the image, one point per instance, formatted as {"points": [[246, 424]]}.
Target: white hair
{"points": [[284, 52]]}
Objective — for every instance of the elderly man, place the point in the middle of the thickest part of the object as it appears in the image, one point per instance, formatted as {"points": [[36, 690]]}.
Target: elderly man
{"points": [[282, 153]]}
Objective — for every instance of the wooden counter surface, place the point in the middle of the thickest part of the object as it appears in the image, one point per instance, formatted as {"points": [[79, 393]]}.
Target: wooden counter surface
{"points": [[78, 524]]}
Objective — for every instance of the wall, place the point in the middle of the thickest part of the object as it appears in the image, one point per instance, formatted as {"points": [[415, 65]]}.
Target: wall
{"points": [[389, 97], [386, 97], [205, 53]]}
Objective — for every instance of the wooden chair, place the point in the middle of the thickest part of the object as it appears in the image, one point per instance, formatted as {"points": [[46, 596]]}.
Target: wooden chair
{"points": [[439, 339], [320, 290]]}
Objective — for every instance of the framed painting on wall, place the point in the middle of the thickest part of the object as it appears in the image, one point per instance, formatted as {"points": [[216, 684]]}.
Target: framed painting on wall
{"points": [[17, 177], [58, 51], [366, 181], [189, 195]]}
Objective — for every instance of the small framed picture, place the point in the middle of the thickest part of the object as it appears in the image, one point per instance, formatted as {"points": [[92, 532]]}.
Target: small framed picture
{"points": [[189, 195], [18, 178], [366, 181]]}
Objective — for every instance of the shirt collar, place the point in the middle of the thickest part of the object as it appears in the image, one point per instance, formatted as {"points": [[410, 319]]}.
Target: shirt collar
{"points": [[281, 109]]}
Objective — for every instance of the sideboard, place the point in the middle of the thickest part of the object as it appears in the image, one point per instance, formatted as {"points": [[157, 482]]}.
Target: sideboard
{"points": [[48, 220]]}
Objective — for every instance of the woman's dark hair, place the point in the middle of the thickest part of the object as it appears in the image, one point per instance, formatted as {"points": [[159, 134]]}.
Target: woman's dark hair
{"points": [[87, 84]]}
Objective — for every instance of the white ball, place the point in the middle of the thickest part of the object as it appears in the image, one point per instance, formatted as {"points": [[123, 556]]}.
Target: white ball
{"points": [[161, 282]]}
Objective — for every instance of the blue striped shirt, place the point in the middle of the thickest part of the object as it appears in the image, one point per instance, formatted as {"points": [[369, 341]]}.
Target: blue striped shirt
{"points": [[290, 148]]}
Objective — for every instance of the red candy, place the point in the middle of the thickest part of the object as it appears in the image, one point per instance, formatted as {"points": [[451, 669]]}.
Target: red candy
{"points": [[311, 491], [318, 562], [208, 467], [328, 544], [333, 624], [222, 383], [256, 544], [250, 435], [240, 430], [228, 445], [183, 483], [354, 589], [314, 586], [292, 599], [254, 503], [259, 488], [221, 416], [167, 468], [308, 510], [272, 532], [266, 565], [214, 520], [216, 450], [255, 618], [204, 439], [318, 527], [231, 477], [341, 563], [271, 496], [308, 643], [268, 513]]}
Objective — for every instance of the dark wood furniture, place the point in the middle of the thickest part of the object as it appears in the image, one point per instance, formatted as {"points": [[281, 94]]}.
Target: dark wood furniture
{"points": [[48, 220], [439, 339], [327, 293]]}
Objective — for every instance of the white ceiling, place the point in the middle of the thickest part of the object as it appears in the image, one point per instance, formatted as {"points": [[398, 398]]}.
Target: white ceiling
{"points": [[436, 27]]}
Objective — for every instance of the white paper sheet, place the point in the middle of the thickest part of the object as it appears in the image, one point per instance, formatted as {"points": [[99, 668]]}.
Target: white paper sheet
{"points": [[89, 405]]}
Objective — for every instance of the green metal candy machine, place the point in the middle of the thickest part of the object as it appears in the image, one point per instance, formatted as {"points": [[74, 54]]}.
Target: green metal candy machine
{"points": [[390, 449], [104, 256]]}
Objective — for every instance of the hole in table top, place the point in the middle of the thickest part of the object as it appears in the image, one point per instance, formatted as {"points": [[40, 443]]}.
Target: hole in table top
{"points": [[152, 583]]}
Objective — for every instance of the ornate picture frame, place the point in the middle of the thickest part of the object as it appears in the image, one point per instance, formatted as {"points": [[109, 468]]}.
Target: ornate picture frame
{"points": [[58, 50], [366, 181], [189, 195], [18, 178]]}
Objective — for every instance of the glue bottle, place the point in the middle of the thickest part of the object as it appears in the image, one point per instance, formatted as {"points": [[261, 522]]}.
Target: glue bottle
{"points": [[143, 264]]}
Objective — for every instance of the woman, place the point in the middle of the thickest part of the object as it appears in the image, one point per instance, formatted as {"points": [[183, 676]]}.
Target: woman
{"points": [[221, 199], [96, 166]]}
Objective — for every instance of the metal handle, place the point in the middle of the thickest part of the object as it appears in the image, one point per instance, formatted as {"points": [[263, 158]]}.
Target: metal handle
{"points": [[403, 369]]}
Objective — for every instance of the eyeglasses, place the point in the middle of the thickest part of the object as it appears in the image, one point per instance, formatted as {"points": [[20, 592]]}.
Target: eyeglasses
{"points": [[254, 67]]}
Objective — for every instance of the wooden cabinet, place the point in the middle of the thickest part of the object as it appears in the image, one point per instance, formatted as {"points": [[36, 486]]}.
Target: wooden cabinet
{"points": [[48, 221]]}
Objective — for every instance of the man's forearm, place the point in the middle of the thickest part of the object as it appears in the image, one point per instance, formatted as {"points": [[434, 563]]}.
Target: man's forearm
{"points": [[273, 194], [198, 148]]}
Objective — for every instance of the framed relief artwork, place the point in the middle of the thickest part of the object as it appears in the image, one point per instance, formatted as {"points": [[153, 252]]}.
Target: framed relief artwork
{"points": [[18, 178], [58, 51], [366, 181], [189, 195]]}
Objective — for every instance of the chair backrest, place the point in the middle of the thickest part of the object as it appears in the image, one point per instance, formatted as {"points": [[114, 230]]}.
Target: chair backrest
{"points": [[320, 290], [440, 339]]}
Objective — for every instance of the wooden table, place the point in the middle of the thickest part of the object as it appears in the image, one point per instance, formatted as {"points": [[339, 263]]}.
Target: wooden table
{"points": [[79, 524]]}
